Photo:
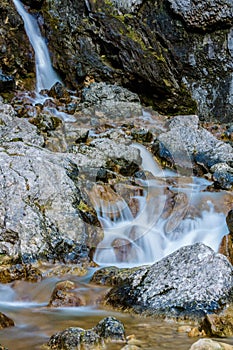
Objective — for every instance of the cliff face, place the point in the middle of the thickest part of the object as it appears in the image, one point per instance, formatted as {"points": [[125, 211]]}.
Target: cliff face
{"points": [[176, 54]]}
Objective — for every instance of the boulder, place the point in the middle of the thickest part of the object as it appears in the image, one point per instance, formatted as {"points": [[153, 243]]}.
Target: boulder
{"points": [[107, 330], [186, 144], [208, 344], [189, 282], [62, 295], [218, 325]]}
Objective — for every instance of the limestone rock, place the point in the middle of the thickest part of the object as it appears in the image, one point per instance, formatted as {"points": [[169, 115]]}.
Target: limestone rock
{"points": [[107, 330], [191, 281], [185, 143], [208, 344], [62, 295], [218, 325], [203, 14]]}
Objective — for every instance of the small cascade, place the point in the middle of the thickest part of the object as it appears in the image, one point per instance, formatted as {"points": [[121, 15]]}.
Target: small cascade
{"points": [[46, 77], [155, 231]]}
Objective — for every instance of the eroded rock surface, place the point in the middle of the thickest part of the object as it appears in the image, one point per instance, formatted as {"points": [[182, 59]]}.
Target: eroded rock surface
{"points": [[191, 281]]}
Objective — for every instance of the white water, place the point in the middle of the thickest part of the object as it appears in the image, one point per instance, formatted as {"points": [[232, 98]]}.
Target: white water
{"points": [[148, 237], [46, 77]]}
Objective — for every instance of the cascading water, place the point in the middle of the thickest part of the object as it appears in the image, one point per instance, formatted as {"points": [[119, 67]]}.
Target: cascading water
{"points": [[152, 234], [46, 77]]}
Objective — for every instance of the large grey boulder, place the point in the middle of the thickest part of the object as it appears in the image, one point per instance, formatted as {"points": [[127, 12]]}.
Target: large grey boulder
{"points": [[186, 143], [191, 281], [44, 208]]}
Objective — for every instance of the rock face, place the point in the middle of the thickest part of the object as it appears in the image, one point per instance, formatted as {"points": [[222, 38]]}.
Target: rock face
{"points": [[174, 53], [45, 212], [191, 281]]}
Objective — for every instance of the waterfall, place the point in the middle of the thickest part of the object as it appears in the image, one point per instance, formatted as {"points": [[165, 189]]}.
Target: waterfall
{"points": [[149, 235], [46, 77]]}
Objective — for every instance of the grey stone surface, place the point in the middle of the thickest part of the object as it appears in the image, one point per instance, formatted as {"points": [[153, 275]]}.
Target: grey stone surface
{"points": [[191, 281], [186, 142], [203, 13]]}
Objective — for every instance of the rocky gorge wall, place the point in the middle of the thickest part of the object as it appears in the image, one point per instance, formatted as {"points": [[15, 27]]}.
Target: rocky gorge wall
{"points": [[176, 54]]}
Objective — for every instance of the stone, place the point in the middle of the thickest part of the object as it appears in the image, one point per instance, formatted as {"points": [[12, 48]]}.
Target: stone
{"points": [[226, 247], [203, 14], [107, 330], [186, 144], [5, 321], [229, 221], [218, 325], [19, 272], [62, 295], [208, 344], [190, 282], [71, 338], [110, 329]]}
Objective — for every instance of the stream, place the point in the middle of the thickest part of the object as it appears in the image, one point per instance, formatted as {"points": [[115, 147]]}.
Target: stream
{"points": [[130, 239]]}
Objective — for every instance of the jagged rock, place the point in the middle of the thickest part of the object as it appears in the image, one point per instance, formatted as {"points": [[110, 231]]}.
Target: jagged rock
{"points": [[62, 295], [208, 344], [191, 281], [72, 338], [108, 329], [19, 272], [5, 321], [203, 14], [111, 101], [229, 220], [217, 325], [186, 142]]}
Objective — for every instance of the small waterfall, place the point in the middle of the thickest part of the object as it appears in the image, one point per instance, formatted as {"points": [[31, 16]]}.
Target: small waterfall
{"points": [[46, 77], [152, 233]]}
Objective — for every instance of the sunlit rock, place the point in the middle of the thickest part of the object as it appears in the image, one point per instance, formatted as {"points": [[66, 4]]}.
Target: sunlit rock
{"points": [[209, 344], [189, 282], [64, 295]]}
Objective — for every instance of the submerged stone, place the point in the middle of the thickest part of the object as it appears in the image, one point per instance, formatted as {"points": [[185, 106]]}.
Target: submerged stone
{"points": [[5, 321], [62, 295], [189, 282]]}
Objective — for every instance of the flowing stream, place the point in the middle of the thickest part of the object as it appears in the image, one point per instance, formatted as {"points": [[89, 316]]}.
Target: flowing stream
{"points": [[46, 77], [150, 235], [139, 228]]}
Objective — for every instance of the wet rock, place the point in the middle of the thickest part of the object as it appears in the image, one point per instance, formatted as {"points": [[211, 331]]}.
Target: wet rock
{"points": [[62, 295], [59, 91], [112, 101], [226, 247], [184, 283], [73, 338], [5, 321], [7, 83], [203, 14], [111, 276], [186, 143], [108, 329], [218, 325], [229, 221], [19, 272], [208, 344], [222, 175]]}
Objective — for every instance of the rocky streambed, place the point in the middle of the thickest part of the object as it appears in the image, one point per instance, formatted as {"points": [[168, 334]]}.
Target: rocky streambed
{"points": [[67, 165]]}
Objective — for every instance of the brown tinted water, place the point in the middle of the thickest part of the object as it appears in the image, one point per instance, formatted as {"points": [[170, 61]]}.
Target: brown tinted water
{"points": [[26, 303]]}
